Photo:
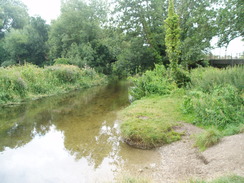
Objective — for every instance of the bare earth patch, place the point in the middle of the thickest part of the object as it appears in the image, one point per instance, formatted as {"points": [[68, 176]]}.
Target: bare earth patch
{"points": [[180, 161]]}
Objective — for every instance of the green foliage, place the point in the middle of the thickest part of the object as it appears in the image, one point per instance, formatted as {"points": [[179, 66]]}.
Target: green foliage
{"points": [[152, 82], [229, 179], [220, 108], [230, 21], [208, 138], [180, 76], [172, 37], [205, 79], [198, 27], [28, 44], [58, 61], [22, 82], [215, 98], [13, 14], [77, 35], [8, 63]]}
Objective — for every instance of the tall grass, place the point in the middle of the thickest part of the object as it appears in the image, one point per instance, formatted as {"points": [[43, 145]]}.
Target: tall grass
{"points": [[22, 82], [205, 79], [215, 98]]}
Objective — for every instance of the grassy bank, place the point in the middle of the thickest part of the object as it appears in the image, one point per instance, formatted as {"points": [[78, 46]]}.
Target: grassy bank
{"points": [[20, 83], [150, 122], [213, 99]]}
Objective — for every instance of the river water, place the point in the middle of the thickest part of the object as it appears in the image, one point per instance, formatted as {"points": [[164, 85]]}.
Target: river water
{"points": [[68, 138]]}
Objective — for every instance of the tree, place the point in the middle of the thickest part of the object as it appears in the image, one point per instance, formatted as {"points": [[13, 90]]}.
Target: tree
{"points": [[13, 14], [16, 45], [37, 33], [198, 27], [28, 44], [230, 21], [78, 35], [172, 37], [143, 19]]}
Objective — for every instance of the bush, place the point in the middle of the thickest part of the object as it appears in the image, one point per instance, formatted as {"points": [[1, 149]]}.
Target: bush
{"points": [[65, 73], [8, 63], [64, 61], [28, 81], [152, 82], [181, 77], [222, 107]]}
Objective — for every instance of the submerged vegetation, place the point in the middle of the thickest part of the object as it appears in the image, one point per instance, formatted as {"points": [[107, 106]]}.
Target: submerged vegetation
{"points": [[19, 83]]}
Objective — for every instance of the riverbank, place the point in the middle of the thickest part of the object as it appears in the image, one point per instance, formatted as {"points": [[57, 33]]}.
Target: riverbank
{"points": [[181, 162], [213, 101], [151, 122], [20, 83]]}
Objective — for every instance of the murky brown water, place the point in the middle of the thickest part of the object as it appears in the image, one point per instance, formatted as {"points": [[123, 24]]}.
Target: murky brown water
{"points": [[68, 138]]}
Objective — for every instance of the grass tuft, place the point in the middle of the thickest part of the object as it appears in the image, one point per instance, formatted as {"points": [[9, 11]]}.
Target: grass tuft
{"points": [[223, 179], [207, 139]]}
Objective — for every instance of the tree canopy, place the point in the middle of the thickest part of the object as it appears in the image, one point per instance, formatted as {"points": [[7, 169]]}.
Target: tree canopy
{"points": [[123, 39]]}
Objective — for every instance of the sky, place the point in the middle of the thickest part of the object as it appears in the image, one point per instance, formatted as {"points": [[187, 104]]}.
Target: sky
{"points": [[50, 10], [47, 9]]}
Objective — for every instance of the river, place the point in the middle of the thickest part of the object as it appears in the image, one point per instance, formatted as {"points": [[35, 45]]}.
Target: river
{"points": [[71, 137]]}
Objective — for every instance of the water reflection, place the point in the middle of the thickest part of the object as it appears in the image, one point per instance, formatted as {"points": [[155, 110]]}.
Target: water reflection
{"points": [[68, 138], [52, 131]]}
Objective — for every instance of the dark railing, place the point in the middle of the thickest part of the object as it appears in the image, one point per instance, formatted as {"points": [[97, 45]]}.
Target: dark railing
{"points": [[225, 62]]}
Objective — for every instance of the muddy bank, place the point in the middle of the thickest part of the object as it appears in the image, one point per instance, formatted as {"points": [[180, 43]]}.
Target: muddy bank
{"points": [[180, 161]]}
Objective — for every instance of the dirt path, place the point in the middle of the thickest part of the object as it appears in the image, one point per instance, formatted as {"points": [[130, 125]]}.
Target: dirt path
{"points": [[180, 161]]}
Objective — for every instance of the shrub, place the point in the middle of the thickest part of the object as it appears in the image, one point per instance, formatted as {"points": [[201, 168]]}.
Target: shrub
{"points": [[222, 107], [180, 76], [8, 63], [28, 81], [58, 61], [152, 82], [65, 73]]}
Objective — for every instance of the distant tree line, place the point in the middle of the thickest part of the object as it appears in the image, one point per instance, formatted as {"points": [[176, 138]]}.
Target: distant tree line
{"points": [[124, 38]]}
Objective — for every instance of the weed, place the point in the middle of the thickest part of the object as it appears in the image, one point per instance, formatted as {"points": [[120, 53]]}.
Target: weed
{"points": [[208, 138]]}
